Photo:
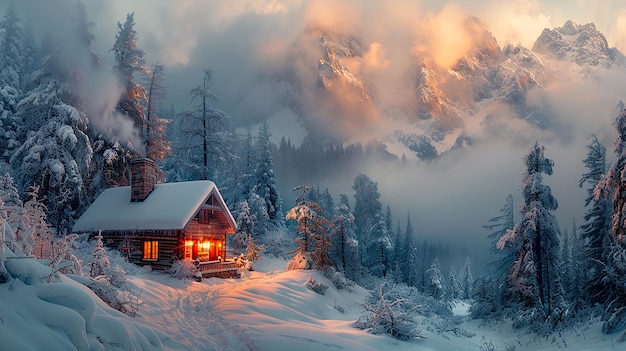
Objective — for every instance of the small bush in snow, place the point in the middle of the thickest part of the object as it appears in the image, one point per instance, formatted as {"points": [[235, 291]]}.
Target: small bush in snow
{"points": [[182, 269], [117, 277], [316, 286], [300, 261], [393, 317], [341, 308], [486, 345], [338, 279], [123, 299]]}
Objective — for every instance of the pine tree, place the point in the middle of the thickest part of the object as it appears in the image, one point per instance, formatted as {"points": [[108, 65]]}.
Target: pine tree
{"points": [[55, 151], [378, 246], [435, 284], [265, 185], [13, 55], [577, 271], [129, 63], [367, 203], [100, 263], [614, 269], [345, 247], [245, 227], [313, 238], [206, 135], [157, 146], [534, 276], [454, 289], [467, 280], [595, 232]]}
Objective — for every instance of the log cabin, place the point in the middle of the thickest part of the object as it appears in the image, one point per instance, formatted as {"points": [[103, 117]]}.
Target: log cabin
{"points": [[157, 224]]}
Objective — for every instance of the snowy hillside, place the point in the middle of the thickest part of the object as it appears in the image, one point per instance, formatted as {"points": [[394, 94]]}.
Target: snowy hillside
{"points": [[267, 309]]}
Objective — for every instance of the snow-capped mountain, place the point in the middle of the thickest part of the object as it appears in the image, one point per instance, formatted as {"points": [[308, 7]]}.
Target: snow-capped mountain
{"points": [[444, 98], [581, 44]]}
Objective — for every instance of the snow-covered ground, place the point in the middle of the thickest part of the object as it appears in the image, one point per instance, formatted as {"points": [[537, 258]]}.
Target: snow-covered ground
{"points": [[267, 309]]}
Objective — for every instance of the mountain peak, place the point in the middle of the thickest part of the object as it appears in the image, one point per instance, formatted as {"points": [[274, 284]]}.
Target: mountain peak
{"points": [[580, 44]]}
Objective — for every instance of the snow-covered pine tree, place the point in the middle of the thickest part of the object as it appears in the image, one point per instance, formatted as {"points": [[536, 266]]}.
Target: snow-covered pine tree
{"points": [[595, 232], [245, 227], [32, 231], [100, 263], [576, 296], [499, 268], [13, 58], [566, 261], [344, 252], [614, 184], [378, 246], [265, 184], [313, 238], [408, 259], [466, 280], [453, 285], [435, 285], [367, 203], [56, 151], [84, 34], [534, 277], [156, 144], [129, 59], [206, 134]]}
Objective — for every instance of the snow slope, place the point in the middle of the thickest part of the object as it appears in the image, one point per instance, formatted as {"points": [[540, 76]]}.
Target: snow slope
{"points": [[268, 309]]}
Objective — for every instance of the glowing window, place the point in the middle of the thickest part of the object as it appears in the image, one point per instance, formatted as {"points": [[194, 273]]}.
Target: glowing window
{"points": [[188, 249], [151, 250], [203, 248]]}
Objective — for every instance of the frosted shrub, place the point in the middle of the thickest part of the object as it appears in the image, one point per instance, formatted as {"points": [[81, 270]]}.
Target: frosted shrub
{"points": [[117, 277], [182, 269], [316, 286], [389, 316], [338, 279], [300, 261]]}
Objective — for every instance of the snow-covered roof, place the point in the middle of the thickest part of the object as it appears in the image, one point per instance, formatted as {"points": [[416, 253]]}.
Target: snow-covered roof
{"points": [[170, 206]]}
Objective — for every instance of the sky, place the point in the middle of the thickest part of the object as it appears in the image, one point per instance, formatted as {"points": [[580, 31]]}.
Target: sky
{"points": [[242, 41]]}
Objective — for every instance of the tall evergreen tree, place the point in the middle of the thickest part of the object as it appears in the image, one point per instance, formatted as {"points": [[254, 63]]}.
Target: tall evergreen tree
{"points": [[596, 230], [378, 246], [435, 285], [157, 146], [614, 270], [56, 151], [534, 276], [367, 202], [499, 269], [130, 63], [466, 280], [345, 247], [206, 136], [313, 238], [265, 185]]}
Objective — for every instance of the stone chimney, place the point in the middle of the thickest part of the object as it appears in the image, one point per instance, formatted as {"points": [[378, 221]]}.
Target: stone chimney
{"points": [[143, 177]]}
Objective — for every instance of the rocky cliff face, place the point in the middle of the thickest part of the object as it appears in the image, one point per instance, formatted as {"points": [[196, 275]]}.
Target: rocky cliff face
{"points": [[581, 44]]}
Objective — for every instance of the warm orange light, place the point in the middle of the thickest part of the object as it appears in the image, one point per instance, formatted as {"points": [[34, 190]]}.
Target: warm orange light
{"points": [[204, 246], [188, 242]]}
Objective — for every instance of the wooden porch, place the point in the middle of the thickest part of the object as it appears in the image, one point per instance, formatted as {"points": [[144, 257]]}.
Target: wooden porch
{"points": [[219, 269]]}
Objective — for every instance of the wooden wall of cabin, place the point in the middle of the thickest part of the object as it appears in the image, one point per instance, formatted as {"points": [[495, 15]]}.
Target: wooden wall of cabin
{"points": [[131, 244]]}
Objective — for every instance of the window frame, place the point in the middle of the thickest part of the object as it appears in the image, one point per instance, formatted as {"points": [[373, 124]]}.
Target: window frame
{"points": [[150, 250]]}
